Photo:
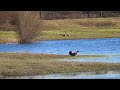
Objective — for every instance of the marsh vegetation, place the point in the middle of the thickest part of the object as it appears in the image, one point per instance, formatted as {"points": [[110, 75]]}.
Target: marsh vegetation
{"points": [[24, 64]]}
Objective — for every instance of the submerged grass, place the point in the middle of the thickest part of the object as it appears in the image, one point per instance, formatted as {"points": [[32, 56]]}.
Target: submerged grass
{"points": [[21, 64]]}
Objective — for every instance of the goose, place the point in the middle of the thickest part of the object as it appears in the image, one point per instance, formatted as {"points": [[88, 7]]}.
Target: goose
{"points": [[73, 53], [65, 34], [68, 35]]}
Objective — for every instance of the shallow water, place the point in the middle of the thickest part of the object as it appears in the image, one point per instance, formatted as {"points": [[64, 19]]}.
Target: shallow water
{"points": [[109, 59], [85, 46], [103, 46], [83, 75]]}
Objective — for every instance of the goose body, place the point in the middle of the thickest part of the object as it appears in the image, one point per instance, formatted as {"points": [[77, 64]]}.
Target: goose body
{"points": [[73, 53]]}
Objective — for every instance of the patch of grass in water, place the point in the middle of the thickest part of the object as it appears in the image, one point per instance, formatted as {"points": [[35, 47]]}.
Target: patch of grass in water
{"points": [[87, 56]]}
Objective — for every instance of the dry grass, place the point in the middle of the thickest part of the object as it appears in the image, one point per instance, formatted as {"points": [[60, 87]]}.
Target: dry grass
{"points": [[98, 24], [82, 23]]}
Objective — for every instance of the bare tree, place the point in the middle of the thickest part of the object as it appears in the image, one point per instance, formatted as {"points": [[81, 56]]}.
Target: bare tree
{"points": [[28, 25]]}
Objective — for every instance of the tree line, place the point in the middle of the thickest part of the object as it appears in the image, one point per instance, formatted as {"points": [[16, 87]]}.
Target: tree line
{"points": [[77, 14], [6, 15]]}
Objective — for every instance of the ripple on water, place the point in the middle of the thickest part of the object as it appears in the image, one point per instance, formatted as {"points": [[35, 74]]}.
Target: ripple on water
{"points": [[85, 46]]}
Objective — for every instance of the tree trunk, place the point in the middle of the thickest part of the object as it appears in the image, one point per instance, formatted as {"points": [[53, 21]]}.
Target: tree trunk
{"points": [[101, 13], [89, 14], [40, 14]]}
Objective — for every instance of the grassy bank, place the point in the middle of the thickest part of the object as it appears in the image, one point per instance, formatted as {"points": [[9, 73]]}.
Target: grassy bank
{"points": [[81, 28], [20, 64], [8, 37], [76, 28]]}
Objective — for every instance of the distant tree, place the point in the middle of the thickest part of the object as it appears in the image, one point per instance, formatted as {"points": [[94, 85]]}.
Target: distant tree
{"points": [[40, 14], [27, 26], [88, 14], [101, 13]]}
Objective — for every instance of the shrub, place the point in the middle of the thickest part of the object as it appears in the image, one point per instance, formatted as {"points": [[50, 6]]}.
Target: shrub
{"points": [[27, 26]]}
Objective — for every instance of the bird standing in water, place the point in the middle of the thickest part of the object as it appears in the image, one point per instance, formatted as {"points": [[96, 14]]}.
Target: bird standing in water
{"points": [[73, 53]]}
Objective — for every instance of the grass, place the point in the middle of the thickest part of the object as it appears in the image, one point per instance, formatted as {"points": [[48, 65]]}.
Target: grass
{"points": [[79, 34], [77, 29], [81, 28], [8, 36], [21, 64], [45, 56]]}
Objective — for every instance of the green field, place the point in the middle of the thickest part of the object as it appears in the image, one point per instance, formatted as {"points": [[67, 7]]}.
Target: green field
{"points": [[76, 28]]}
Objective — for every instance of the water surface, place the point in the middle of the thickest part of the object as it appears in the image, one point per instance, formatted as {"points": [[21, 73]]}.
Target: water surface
{"points": [[104, 46], [107, 59], [82, 75], [85, 46]]}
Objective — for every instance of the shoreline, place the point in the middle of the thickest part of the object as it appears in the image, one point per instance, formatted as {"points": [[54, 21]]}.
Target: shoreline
{"points": [[61, 39]]}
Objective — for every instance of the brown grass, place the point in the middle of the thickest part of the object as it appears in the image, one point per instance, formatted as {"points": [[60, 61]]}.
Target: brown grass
{"points": [[76, 28], [98, 24]]}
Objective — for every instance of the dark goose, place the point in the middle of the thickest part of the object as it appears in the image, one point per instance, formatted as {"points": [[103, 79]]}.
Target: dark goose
{"points": [[73, 53]]}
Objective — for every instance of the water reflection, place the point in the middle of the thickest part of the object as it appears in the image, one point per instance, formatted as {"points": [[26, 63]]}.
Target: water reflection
{"points": [[109, 59], [82, 75]]}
